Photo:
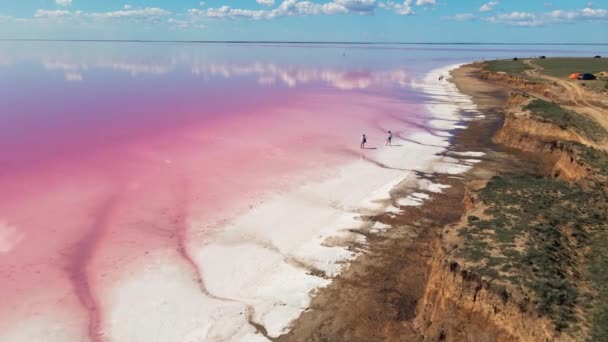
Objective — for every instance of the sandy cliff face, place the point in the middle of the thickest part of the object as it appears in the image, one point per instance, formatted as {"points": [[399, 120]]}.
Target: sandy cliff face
{"points": [[567, 165], [461, 305], [527, 133]]}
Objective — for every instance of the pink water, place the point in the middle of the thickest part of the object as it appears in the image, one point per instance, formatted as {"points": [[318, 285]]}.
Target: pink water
{"points": [[109, 152]]}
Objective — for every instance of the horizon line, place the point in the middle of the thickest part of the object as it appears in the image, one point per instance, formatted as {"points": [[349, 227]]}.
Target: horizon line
{"points": [[283, 42]]}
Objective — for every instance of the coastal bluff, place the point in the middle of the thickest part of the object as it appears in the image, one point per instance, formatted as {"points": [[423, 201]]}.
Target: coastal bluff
{"points": [[526, 259]]}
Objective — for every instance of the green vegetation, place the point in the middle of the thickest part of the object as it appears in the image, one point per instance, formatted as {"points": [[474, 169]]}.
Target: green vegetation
{"points": [[595, 158], [567, 119], [529, 235], [512, 67], [599, 85], [557, 67], [564, 67], [597, 259], [550, 237], [543, 236]]}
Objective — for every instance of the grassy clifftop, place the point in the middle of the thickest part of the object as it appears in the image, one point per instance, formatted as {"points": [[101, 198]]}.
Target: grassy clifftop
{"points": [[563, 67], [514, 67], [554, 69], [567, 119], [542, 240], [547, 237]]}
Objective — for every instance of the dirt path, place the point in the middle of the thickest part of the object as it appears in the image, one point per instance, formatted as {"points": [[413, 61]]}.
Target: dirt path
{"points": [[577, 98]]}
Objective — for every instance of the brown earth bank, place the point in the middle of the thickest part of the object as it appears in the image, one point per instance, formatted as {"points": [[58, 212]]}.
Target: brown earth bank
{"points": [[471, 295], [412, 283], [458, 304]]}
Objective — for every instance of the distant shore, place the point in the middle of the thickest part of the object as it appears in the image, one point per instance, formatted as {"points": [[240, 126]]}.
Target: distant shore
{"points": [[288, 42]]}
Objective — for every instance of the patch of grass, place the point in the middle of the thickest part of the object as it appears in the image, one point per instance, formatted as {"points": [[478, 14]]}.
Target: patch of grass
{"points": [[539, 216], [597, 260], [595, 158], [567, 119], [512, 67], [564, 67], [598, 85]]}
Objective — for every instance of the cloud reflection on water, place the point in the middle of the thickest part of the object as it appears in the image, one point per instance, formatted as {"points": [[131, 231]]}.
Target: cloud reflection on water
{"points": [[76, 66], [293, 76]]}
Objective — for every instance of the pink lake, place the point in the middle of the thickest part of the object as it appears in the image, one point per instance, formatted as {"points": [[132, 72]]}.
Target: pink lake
{"points": [[127, 164]]}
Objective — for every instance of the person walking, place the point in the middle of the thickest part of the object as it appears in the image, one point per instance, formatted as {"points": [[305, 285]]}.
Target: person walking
{"points": [[389, 139], [363, 141]]}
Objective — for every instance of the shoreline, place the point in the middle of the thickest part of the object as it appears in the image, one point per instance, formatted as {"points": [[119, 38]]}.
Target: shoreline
{"points": [[211, 215], [251, 280], [376, 297], [308, 263]]}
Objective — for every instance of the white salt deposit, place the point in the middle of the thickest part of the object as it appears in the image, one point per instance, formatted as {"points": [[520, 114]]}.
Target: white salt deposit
{"points": [[469, 154], [420, 195], [410, 201], [265, 266]]}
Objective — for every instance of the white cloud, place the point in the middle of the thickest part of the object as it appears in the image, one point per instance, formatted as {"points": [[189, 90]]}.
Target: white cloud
{"points": [[461, 17], [194, 18], [63, 2], [516, 19], [147, 13], [593, 13], [289, 8], [583, 14], [488, 7], [180, 24], [404, 8], [357, 5], [227, 12], [55, 14], [562, 15], [265, 2], [557, 16]]}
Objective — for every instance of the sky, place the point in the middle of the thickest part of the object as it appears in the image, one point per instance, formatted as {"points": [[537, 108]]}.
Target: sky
{"points": [[440, 21]]}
